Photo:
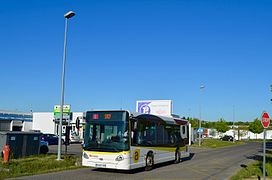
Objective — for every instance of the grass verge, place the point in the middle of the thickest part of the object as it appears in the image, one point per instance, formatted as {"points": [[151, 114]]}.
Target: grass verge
{"points": [[39, 164], [216, 143], [259, 140], [255, 169]]}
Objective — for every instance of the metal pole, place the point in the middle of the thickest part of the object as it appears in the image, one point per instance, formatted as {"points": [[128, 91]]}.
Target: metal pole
{"points": [[62, 91], [199, 126], [264, 151], [200, 139], [233, 124]]}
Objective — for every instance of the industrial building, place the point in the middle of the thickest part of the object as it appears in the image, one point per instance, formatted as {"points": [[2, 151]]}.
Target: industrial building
{"points": [[46, 123], [40, 121], [15, 121]]}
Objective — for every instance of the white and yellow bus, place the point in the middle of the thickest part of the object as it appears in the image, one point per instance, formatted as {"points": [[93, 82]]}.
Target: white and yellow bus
{"points": [[119, 139]]}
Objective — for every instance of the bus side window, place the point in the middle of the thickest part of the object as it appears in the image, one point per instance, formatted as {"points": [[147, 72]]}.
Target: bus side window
{"points": [[139, 138], [160, 135], [172, 138], [150, 135]]}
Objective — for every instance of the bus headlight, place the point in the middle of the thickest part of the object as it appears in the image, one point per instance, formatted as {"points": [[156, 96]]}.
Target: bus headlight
{"points": [[119, 158], [85, 155]]}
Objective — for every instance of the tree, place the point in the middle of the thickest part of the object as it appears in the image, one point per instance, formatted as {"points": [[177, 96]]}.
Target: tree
{"points": [[209, 125], [221, 126], [194, 122], [256, 127], [240, 123]]}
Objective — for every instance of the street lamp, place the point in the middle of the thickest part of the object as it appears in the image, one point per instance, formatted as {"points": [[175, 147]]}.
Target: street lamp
{"points": [[67, 16], [233, 124], [199, 141]]}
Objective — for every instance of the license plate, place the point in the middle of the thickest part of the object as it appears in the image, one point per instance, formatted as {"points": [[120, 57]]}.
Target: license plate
{"points": [[100, 165]]}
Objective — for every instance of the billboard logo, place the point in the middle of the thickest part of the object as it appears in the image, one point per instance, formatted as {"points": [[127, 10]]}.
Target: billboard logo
{"points": [[143, 107]]}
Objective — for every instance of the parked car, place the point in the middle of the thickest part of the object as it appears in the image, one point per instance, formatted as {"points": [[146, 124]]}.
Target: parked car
{"points": [[43, 147], [52, 139], [227, 138]]}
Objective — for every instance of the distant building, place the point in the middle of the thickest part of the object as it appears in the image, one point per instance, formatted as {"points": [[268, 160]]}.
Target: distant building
{"points": [[238, 135], [15, 121], [40, 121], [46, 123]]}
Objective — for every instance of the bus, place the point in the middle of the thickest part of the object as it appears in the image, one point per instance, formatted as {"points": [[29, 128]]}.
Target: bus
{"points": [[119, 139]]}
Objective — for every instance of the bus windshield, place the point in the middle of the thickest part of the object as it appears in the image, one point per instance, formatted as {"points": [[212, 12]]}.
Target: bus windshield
{"points": [[106, 132]]}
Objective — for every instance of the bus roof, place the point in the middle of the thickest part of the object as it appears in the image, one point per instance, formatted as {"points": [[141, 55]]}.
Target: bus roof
{"points": [[168, 120]]}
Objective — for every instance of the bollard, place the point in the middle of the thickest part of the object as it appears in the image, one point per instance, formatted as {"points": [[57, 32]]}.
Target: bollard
{"points": [[6, 152]]}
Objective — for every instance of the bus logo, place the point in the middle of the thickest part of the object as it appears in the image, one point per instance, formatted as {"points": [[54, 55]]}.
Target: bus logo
{"points": [[136, 155]]}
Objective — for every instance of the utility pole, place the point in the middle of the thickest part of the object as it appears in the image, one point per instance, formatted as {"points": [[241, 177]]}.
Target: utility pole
{"points": [[233, 113], [200, 133], [67, 16]]}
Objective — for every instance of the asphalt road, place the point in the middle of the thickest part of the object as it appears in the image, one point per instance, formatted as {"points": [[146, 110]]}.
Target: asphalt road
{"points": [[74, 149], [207, 164]]}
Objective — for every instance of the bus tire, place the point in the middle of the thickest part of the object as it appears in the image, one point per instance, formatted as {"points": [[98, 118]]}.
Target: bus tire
{"points": [[149, 162], [177, 157]]}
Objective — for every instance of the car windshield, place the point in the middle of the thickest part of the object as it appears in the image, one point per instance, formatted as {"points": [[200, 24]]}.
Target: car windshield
{"points": [[109, 136]]}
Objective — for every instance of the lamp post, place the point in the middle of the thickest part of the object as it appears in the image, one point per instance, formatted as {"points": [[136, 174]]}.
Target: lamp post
{"points": [[233, 113], [67, 16], [199, 141]]}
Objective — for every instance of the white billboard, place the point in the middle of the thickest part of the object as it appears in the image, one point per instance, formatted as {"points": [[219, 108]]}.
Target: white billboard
{"points": [[156, 107]]}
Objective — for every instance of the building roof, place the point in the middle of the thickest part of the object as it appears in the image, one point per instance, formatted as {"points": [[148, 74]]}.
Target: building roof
{"points": [[17, 116]]}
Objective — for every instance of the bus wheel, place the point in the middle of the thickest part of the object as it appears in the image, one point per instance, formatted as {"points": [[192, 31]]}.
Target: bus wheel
{"points": [[149, 162], [177, 157]]}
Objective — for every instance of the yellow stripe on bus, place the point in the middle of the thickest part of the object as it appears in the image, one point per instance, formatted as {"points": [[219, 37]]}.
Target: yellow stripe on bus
{"points": [[170, 149]]}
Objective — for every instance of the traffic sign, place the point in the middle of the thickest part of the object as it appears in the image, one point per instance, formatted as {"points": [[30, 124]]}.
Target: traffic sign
{"points": [[65, 112], [200, 130], [265, 120], [265, 123]]}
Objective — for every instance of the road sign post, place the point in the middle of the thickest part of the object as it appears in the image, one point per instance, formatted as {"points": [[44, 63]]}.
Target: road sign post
{"points": [[265, 123]]}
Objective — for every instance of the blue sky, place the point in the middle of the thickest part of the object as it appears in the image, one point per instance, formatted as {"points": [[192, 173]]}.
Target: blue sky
{"points": [[121, 51]]}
